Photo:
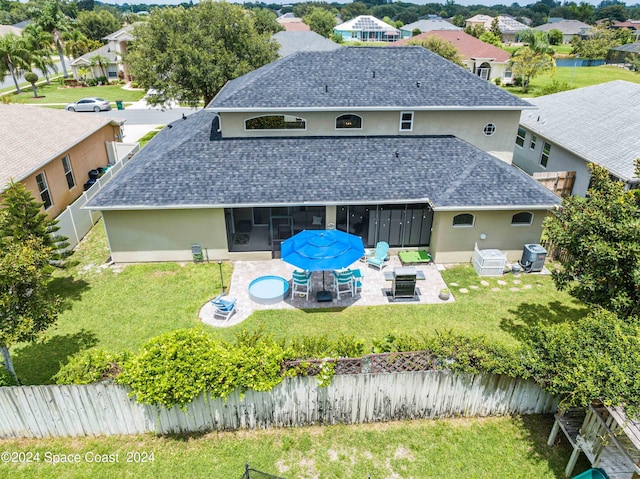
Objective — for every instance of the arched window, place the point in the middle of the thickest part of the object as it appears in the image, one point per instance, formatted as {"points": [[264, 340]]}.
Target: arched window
{"points": [[275, 122], [348, 121], [521, 219], [463, 220]]}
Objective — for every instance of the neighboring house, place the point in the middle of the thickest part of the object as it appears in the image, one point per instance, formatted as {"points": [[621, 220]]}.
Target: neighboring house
{"points": [[113, 51], [632, 25], [5, 29], [427, 25], [52, 151], [483, 59], [292, 42], [391, 144], [509, 26], [596, 124], [569, 29], [366, 28], [291, 23], [621, 55]]}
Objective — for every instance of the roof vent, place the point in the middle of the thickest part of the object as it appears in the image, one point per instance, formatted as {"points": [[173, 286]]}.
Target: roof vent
{"points": [[374, 73], [326, 88], [417, 84]]}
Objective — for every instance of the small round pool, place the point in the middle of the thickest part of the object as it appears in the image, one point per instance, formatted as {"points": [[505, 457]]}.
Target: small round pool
{"points": [[268, 289]]}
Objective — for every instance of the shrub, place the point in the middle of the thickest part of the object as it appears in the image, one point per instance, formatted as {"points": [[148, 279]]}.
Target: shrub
{"points": [[6, 379], [90, 366], [92, 82], [555, 87]]}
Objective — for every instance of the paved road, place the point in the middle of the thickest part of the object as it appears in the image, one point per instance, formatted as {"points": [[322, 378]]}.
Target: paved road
{"points": [[7, 81]]}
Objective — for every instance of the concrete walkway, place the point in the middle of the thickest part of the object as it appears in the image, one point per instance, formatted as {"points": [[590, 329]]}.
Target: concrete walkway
{"points": [[375, 290]]}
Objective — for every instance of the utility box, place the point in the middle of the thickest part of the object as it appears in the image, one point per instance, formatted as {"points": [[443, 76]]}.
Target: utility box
{"points": [[533, 257], [488, 262]]}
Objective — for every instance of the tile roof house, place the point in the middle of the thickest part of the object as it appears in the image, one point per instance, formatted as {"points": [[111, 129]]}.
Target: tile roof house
{"points": [[483, 59], [366, 28], [293, 41], [52, 151], [427, 25], [392, 144], [291, 23], [569, 29], [596, 124]]}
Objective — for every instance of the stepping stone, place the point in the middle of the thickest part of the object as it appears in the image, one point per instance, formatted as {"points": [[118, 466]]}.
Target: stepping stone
{"points": [[502, 283], [484, 283], [495, 289], [528, 286], [517, 281], [454, 284], [473, 286], [514, 289], [463, 290]]}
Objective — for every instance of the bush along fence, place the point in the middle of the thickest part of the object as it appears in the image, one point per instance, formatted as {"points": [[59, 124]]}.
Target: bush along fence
{"points": [[107, 409]]}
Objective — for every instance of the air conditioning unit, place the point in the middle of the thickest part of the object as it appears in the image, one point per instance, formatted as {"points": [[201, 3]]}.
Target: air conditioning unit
{"points": [[533, 256]]}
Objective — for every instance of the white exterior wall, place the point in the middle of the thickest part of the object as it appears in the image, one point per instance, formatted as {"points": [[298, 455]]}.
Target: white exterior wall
{"points": [[560, 159], [466, 125]]}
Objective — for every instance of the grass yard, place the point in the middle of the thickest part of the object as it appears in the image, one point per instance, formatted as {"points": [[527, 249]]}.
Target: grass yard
{"points": [[120, 308], [54, 93], [499, 448], [582, 76]]}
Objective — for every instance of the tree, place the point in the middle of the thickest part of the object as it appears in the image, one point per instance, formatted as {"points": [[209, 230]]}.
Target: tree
{"points": [[475, 30], [32, 78], [14, 56], [440, 47], [75, 43], [40, 44], [491, 38], [264, 21], [189, 54], [27, 251], [320, 21], [53, 20], [597, 45], [527, 64], [352, 10], [100, 61], [495, 27], [555, 37], [601, 237], [97, 24]]}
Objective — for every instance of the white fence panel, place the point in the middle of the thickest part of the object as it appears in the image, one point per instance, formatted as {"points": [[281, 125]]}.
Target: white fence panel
{"points": [[106, 409]]}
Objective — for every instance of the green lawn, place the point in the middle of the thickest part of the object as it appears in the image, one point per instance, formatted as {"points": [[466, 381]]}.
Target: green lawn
{"points": [[499, 448], [54, 93], [120, 308], [577, 78]]}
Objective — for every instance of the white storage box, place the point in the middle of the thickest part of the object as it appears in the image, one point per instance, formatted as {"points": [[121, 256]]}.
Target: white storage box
{"points": [[489, 262]]}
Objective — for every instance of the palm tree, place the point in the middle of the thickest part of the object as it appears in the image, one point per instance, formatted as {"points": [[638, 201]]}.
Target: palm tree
{"points": [[14, 56], [102, 62], [75, 43], [52, 20], [39, 43]]}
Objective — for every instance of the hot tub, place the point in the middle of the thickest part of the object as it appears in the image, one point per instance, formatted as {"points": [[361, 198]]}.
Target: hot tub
{"points": [[268, 289]]}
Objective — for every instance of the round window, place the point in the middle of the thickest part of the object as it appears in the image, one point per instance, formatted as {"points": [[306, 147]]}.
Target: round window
{"points": [[489, 129]]}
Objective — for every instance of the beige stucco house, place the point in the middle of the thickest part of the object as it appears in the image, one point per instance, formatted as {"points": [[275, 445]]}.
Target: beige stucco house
{"points": [[52, 151], [391, 144]]}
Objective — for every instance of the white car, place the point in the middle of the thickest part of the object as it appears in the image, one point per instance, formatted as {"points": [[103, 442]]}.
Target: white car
{"points": [[89, 104]]}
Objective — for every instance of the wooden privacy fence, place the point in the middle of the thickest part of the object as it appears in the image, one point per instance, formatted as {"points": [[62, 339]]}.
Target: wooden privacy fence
{"points": [[106, 409], [560, 182]]}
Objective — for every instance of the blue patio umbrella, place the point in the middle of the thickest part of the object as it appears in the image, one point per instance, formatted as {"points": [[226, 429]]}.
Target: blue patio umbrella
{"points": [[322, 250]]}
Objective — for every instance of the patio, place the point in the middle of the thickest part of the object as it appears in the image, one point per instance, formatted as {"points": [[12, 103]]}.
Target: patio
{"points": [[375, 289]]}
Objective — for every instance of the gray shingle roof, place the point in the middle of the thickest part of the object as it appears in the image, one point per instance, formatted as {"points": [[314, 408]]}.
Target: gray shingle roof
{"points": [[292, 42], [598, 123], [344, 78], [184, 167], [430, 24]]}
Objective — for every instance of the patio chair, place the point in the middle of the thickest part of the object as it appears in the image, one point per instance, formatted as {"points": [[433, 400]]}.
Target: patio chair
{"points": [[301, 283], [223, 308], [344, 280], [380, 255], [357, 281]]}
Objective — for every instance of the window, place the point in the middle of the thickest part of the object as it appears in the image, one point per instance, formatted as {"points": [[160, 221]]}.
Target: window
{"points": [[522, 219], [348, 121], [463, 220], [68, 172], [520, 138], [43, 188], [489, 129], [275, 122], [406, 121], [544, 158], [532, 144]]}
